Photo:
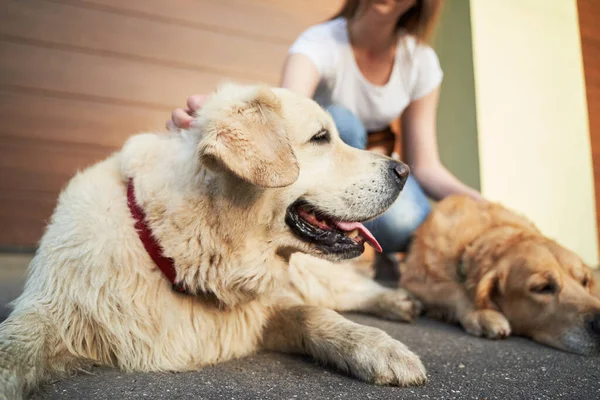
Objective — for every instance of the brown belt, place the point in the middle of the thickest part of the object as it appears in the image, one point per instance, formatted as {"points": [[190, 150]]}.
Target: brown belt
{"points": [[384, 138]]}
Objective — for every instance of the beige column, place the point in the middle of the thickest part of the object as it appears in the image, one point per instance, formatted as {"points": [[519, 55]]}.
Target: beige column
{"points": [[533, 145]]}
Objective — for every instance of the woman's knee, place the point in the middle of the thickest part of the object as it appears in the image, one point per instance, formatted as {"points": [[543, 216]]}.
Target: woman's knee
{"points": [[349, 126], [413, 216]]}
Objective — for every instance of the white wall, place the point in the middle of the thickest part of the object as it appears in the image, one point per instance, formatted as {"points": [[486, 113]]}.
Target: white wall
{"points": [[534, 146]]}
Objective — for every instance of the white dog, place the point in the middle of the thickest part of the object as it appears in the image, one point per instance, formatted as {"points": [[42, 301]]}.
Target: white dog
{"points": [[176, 252]]}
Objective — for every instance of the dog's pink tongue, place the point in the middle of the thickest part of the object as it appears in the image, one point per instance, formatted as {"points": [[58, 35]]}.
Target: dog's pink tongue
{"points": [[365, 233]]}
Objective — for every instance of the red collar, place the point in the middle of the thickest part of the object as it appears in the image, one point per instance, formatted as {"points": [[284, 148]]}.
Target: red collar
{"points": [[166, 265]]}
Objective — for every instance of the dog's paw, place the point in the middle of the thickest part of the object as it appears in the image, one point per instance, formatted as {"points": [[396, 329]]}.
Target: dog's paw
{"points": [[486, 323], [382, 360], [397, 305]]}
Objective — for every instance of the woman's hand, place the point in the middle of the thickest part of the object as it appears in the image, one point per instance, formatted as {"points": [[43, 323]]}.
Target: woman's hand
{"points": [[181, 118]]}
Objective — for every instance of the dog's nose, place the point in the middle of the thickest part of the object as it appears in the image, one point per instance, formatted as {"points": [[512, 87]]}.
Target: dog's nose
{"points": [[402, 171], [594, 323]]}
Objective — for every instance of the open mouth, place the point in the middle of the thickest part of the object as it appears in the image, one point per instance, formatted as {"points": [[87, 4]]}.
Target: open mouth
{"points": [[331, 235]]}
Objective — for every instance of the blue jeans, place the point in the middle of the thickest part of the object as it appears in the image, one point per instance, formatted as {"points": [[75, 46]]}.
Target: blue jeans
{"points": [[394, 229]]}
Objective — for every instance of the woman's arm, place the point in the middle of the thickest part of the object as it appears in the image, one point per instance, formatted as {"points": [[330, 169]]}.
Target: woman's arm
{"points": [[421, 150], [300, 75]]}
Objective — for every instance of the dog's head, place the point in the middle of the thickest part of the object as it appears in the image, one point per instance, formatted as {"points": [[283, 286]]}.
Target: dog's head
{"points": [[278, 156], [544, 290]]}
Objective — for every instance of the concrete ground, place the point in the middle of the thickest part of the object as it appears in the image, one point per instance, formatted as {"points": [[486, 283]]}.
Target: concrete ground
{"points": [[459, 367]]}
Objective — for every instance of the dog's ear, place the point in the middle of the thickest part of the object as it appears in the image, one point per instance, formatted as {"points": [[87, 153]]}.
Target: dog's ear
{"points": [[248, 137], [485, 254], [486, 288], [573, 265]]}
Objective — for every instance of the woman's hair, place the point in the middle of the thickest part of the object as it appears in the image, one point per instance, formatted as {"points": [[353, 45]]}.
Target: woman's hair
{"points": [[419, 20]]}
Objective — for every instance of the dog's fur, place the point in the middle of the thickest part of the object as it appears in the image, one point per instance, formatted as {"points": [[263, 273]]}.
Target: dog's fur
{"points": [[492, 271], [215, 197]]}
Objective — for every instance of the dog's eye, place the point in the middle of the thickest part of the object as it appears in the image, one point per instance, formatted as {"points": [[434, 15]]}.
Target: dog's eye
{"points": [[585, 282], [320, 137], [545, 288]]}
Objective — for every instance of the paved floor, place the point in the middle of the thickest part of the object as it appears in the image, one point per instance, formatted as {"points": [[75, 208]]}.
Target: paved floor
{"points": [[459, 367], [12, 276]]}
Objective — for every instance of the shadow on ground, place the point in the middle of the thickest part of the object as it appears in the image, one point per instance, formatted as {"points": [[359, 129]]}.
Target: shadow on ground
{"points": [[459, 367]]}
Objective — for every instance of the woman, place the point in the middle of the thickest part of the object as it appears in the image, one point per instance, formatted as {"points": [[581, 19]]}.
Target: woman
{"points": [[369, 65]]}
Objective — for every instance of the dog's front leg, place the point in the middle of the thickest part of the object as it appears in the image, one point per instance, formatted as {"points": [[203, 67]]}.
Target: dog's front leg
{"points": [[341, 288], [447, 299], [365, 352], [31, 353]]}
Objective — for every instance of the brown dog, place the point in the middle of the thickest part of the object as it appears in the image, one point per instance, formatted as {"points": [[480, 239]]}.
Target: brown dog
{"points": [[491, 270]]}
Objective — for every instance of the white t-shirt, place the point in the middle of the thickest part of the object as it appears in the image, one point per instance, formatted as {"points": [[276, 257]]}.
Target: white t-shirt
{"points": [[416, 72]]}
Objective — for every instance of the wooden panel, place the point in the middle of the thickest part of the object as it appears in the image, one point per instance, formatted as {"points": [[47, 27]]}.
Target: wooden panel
{"points": [[43, 166], [38, 117], [23, 217], [44, 140], [129, 36], [278, 21], [33, 174], [78, 77], [102, 77], [589, 17]]}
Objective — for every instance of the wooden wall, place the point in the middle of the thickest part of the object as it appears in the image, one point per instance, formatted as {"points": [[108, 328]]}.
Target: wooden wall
{"points": [[589, 24], [77, 77]]}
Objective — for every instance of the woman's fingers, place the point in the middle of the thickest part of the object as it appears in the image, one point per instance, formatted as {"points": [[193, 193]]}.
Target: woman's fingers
{"points": [[171, 126], [180, 118], [195, 102]]}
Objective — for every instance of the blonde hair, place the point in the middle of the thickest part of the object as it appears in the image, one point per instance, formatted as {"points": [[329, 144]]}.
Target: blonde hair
{"points": [[419, 20]]}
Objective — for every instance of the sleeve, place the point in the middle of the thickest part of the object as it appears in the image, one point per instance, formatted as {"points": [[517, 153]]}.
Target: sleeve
{"points": [[315, 43], [429, 73]]}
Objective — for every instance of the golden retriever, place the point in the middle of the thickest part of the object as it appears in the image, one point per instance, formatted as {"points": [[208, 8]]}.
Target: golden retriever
{"points": [[237, 205], [492, 271]]}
